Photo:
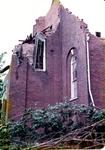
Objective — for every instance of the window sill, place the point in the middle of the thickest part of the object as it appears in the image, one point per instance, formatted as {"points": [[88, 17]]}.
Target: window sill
{"points": [[73, 99], [41, 70]]}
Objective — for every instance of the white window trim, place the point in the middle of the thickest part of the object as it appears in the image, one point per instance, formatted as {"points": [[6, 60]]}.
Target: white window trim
{"points": [[42, 38]]}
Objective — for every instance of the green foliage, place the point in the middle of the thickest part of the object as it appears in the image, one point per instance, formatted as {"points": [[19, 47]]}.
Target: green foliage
{"points": [[1, 75], [4, 137], [39, 125], [2, 61], [98, 115], [1, 89], [42, 124]]}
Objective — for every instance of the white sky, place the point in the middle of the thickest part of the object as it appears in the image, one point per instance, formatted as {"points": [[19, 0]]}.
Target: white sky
{"points": [[17, 17]]}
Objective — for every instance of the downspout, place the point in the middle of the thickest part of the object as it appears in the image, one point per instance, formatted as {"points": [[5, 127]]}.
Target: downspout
{"points": [[88, 68]]}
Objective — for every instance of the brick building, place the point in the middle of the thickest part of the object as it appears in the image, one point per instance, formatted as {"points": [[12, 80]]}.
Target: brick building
{"points": [[61, 59]]}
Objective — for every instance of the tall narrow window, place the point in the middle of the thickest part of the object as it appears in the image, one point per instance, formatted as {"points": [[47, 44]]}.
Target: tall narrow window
{"points": [[73, 76], [40, 63], [39, 55]]}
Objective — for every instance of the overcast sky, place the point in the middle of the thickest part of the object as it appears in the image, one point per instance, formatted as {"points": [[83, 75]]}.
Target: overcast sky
{"points": [[17, 17]]}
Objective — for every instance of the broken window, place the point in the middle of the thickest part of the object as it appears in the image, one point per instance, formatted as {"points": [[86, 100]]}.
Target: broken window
{"points": [[40, 63], [39, 54]]}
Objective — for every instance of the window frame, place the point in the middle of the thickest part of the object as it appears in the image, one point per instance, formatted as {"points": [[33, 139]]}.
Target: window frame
{"points": [[42, 38], [74, 84]]}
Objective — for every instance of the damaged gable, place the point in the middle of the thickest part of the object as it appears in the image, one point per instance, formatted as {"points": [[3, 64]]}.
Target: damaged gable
{"points": [[51, 19], [33, 47], [34, 52]]}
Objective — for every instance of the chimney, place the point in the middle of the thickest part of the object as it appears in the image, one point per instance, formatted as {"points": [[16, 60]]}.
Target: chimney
{"points": [[98, 34]]}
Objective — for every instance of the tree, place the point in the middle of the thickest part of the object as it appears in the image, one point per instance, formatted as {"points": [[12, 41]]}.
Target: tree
{"points": [[1, 75], [2, 89]]}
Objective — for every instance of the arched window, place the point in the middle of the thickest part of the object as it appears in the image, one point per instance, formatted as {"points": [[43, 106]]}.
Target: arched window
{"points": [[73, 74]]}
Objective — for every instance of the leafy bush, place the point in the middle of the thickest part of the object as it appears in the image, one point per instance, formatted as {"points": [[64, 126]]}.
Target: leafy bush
{"points": [[4, 137], [39, 125], [1, 89], [42, 124]]}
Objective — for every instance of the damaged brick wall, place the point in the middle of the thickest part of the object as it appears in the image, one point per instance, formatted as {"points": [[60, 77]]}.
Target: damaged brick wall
{"points": [[33, 88], [17, 89]]}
